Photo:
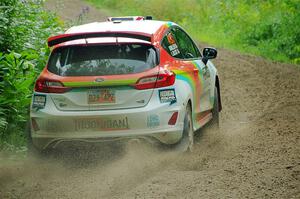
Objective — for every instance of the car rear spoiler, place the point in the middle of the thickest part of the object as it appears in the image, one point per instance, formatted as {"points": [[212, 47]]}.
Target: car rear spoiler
{"points": [[52, 41]]}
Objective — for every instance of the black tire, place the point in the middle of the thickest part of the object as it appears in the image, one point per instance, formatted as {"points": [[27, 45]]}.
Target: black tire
{"points": [[187, 141], [215, 111]]}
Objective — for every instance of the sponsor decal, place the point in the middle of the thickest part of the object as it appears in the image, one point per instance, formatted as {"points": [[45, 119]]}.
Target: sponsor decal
{"points": [[167, 95], [101, 124], [39, 101], [173, 46], [170, 38], [174, 49], [153, 121], [175, 52]]}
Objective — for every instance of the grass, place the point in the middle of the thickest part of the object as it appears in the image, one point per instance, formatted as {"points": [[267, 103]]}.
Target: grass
{"points": [[266, 28]]}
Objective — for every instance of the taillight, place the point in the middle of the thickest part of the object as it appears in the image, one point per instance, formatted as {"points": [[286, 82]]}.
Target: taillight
{"points": [[156, 81], [50, 86]]}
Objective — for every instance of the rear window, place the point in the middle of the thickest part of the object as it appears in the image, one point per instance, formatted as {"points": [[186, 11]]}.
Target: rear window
{"points": [[102, 60]]}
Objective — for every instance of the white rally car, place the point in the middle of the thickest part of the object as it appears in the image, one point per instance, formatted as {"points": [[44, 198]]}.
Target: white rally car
{"points": [[122, 79]]}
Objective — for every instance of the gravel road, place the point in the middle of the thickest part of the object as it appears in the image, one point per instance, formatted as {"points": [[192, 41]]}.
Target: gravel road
{"points": [[256, 154]]}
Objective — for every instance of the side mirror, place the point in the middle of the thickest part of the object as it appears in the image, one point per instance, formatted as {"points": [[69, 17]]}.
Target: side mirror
{"points": [[209, 53]]}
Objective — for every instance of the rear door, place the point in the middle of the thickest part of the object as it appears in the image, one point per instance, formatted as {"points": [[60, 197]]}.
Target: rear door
{"points": [[102, 77], [192, 62]]}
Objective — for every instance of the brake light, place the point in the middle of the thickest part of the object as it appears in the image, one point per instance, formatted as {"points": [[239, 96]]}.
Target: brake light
{"points": [[156, 81], [50, 86]]}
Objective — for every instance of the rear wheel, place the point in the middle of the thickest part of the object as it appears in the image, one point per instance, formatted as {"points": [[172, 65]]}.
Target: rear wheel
{"points": [[187, 141], [32, 151]]}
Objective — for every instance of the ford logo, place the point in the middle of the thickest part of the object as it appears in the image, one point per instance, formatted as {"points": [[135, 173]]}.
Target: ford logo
{"points": [[99, 80]]}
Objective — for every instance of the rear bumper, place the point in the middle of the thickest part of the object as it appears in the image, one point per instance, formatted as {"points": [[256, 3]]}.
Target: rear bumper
{"points": [[44, 142], [50, 126]]}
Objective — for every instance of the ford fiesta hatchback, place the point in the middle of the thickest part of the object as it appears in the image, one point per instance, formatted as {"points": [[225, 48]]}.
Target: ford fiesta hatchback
{"points": [[121, 79]]}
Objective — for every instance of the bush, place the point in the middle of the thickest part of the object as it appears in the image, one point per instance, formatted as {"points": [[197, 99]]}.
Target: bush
{"points": [[24, 28], [25, 25]]}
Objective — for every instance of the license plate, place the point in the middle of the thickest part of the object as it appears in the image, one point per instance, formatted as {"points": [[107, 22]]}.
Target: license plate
{"points": [[100, 96]]}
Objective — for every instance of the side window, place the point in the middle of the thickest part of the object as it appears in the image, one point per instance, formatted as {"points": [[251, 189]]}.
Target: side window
{"points": [[57, 60], [170, 45], [186, 45]]}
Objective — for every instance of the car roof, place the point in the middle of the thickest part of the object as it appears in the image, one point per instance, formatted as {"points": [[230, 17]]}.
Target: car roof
{"points": [[142, 26]]}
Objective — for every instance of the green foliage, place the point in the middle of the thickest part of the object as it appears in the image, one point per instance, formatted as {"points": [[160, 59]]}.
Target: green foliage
{"points": [[24, 29], [25, 25], [17, 80], [266, 28]]}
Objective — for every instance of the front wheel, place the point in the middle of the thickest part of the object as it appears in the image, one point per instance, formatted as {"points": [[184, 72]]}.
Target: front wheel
{"points": [[215, 111]]}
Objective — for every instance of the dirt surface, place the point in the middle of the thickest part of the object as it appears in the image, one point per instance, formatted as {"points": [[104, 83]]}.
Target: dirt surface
{"points": [[256, 154], [75, 11]]}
